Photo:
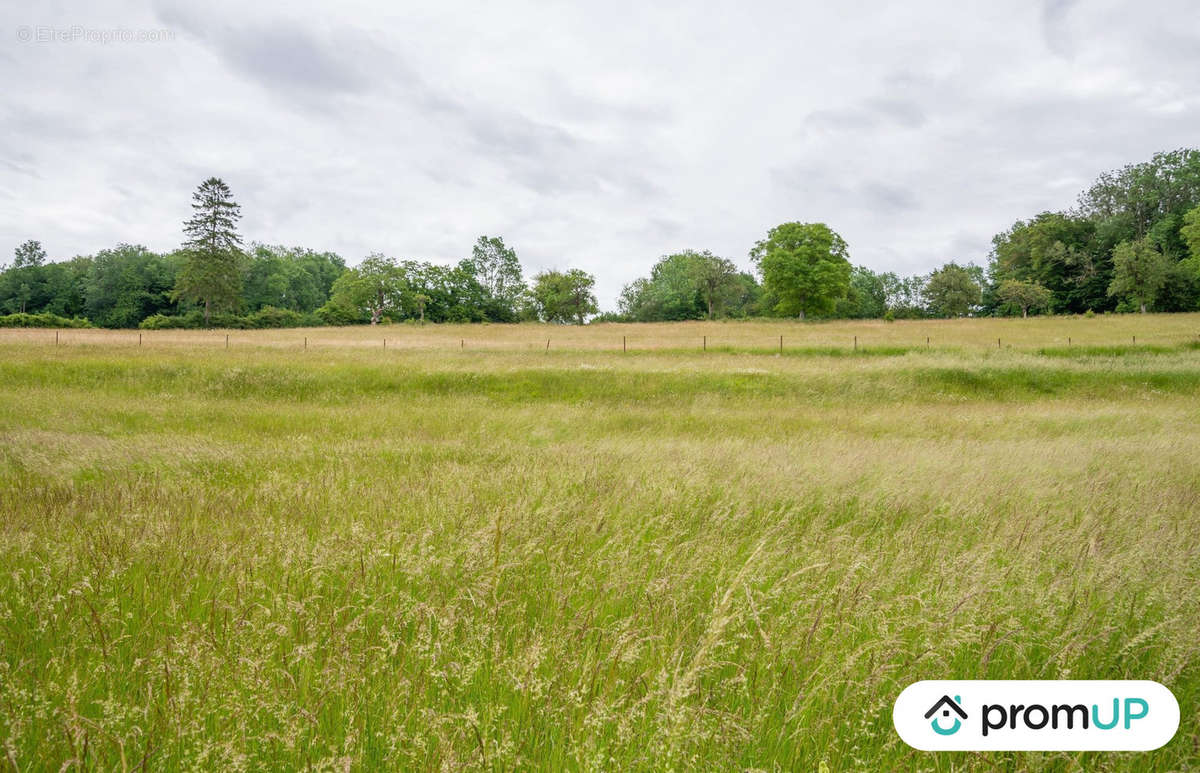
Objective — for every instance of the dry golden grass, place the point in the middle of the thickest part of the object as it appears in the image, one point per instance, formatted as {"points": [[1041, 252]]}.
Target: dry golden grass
{"points": [[971, 334]]}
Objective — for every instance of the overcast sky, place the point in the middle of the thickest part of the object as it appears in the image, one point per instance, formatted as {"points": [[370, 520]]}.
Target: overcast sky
{"points": [[598, 135]]}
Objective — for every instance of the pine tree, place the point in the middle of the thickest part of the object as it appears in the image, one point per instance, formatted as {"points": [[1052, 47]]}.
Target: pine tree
{"points": [[211, 272]]}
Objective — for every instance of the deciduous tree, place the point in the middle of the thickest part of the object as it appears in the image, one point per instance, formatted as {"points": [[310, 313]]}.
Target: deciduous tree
{"points": [[805, 266], [564, 296], [29, 254], [1139, 272], [370, 290], [951, 291], [1024, 295], [497, 269]]}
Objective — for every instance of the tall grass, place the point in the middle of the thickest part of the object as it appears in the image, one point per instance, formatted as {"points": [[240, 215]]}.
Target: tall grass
{"points": [[265, 558]]}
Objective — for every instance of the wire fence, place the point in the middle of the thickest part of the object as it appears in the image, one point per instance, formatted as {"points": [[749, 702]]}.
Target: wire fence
{"points": [[516, 339]]}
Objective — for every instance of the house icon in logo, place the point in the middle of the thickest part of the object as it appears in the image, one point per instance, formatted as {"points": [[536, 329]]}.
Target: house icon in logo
{"points": [[946, 705]]}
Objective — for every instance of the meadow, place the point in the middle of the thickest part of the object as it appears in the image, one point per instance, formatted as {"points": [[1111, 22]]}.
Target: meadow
{"points": [[461, 549]]}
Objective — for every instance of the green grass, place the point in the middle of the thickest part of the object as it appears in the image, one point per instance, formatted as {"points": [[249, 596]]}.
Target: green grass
{"points": [[274, 559]]}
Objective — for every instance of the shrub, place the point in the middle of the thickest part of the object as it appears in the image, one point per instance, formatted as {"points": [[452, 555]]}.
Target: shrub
{"points": [[266, 317], [271, 316], [889, 316], [611, 316], [338, 314], [189, 321], [227, 321], [42, 320]]}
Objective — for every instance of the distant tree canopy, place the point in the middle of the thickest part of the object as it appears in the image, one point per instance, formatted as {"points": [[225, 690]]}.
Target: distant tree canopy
{"points": [[212, 280], [867, 294], [29, 254], [805, 268], [382, 288], [1139, 272], [368, 291], [1132, 243], [496, 268], [1073, 254], [689, 285], [564, 296], [290, 278], [1024, 295], [952, 291]]}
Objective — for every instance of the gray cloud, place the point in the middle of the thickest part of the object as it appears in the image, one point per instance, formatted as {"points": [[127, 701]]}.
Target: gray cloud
{"points": [[587, 136], [889, 197], [1054, 27], [280, 55]]}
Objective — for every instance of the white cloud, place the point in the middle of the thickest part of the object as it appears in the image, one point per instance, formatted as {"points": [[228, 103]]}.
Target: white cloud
{"points": [[597, 135]]}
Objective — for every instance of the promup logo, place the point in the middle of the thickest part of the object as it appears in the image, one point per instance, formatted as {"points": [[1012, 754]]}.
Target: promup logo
{"points": [[1036, 715], [949, 704]]}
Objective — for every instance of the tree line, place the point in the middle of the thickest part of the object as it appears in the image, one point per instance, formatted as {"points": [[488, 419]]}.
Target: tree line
{"points": [[1131, 244], [212, 280]]}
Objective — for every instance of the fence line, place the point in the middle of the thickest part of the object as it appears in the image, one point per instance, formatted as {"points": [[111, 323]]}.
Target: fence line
{"points": [[736, 343]]}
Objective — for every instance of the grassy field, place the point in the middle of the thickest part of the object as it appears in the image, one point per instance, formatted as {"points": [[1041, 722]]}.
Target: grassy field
{"points": [[465, 551]]}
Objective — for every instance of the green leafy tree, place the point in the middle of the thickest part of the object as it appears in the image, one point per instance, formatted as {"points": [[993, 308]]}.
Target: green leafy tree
{"points": [[866, 298], [29, 254], [672, 292], [369, 291], [952, 291], [211, 272], [1024, 295], [23, 286], [1190, 231], [1181, 289], [717, 280], [496, 268], [745, 296], [292, 278], [65, 284], [688, 285], [1138, 196], [1061, 252], [1139, 273], [126, 284], [805, 267], [904, 296], [420, 300], [632, 302], [564, 296]]}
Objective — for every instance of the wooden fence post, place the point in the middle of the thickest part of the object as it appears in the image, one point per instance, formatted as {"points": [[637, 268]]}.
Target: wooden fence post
{"points": [[781, 344], [704, 345], [856, 343]]}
